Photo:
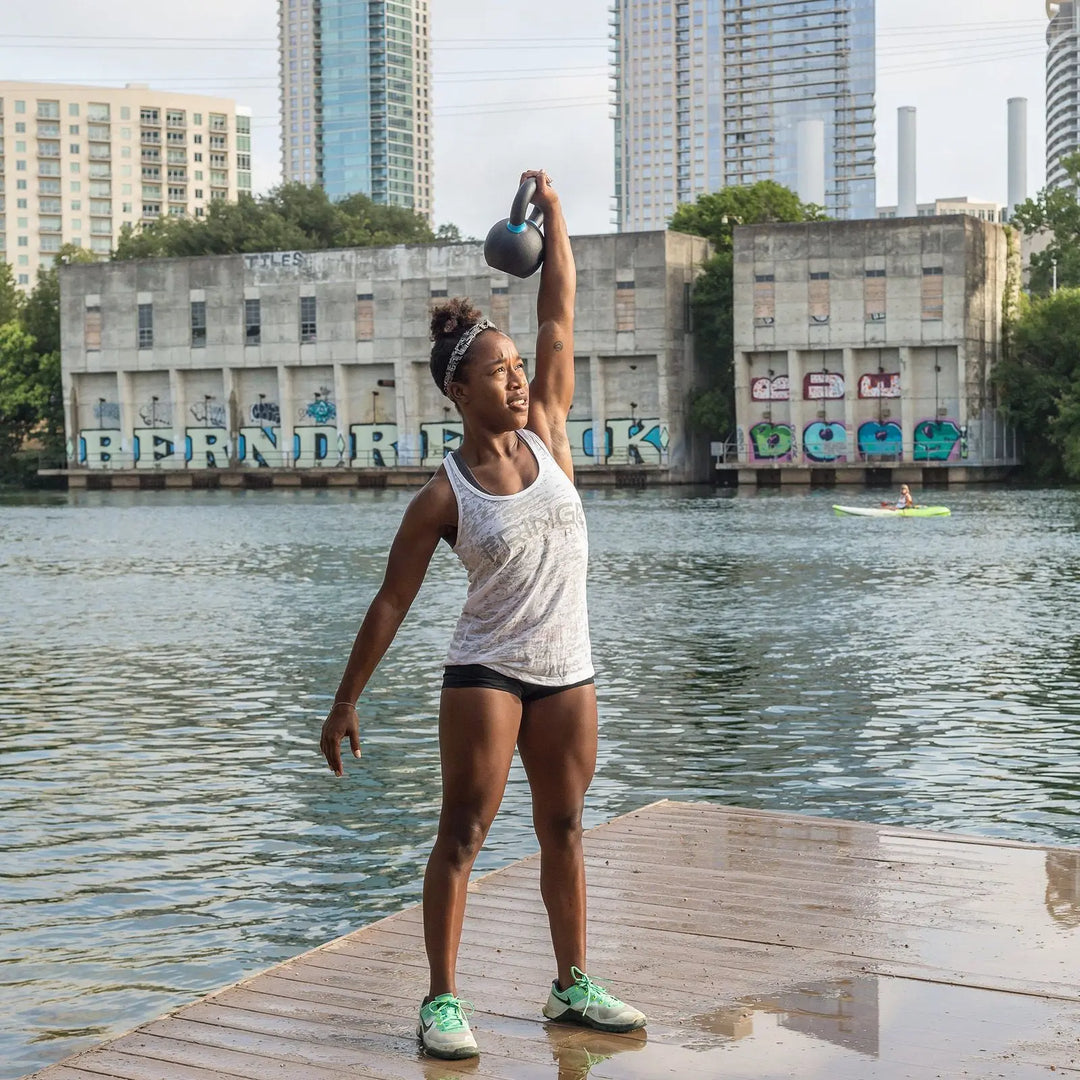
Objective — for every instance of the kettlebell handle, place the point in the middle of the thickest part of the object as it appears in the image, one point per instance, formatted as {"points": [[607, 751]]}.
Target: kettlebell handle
{"points": [[516, 222]]}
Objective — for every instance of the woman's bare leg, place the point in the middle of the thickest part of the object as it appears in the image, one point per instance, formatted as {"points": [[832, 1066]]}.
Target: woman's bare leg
{"points": [[558, 749], [478, 728]]}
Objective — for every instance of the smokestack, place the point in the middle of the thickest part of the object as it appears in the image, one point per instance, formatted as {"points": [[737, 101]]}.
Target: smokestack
{"points": [[1017, 155], [906, 205], [810, 160]]}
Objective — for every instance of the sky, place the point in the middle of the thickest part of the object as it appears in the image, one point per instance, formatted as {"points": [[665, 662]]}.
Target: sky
{"points": [[516, 89]]}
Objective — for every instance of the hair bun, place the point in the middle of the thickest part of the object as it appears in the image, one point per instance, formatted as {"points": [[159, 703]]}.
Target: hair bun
{"points": [[453, 318]]}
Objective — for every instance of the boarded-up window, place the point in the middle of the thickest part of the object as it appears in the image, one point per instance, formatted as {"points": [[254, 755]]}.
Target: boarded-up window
{"points": [[93, 328], [365, 316], [500, 307], [624, 305], [764, 299], [436, 298], [932, 293], [819, 297], [874, 295]]}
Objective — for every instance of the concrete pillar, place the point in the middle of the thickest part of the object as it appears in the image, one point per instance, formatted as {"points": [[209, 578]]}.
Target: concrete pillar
{"points": [[851, 396], [344, 414], [228, 395], [599, 411], [906, 201], [178, 394], [810, 160], [288, 413], [742, 405], [796, 406], [906, 419], [1017, 189], [129, 418]]}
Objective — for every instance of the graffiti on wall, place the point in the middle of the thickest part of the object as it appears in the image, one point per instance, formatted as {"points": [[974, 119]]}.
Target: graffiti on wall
{"points": [[825, 441], [770, 388], [823, 386], [155, 413], [320, 409], [879, 384], [939, 440], [623, 440], [107, 413], [265, 412], [880, 440], [209, 413], [772, 442]]}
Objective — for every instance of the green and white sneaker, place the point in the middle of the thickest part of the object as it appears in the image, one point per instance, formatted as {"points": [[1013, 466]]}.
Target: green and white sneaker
{"points": [[443, 1029], [588, 1003]]}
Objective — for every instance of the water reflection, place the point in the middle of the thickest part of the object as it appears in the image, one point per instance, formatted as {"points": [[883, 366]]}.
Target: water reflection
{"points": [[165, 660]]}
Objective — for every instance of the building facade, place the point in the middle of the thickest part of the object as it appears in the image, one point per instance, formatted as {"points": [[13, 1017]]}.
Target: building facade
{"points": [[299, 361], [870, 345], [984, 210], [1062, 89], [77, 163], [356, 98], [711, 93]]}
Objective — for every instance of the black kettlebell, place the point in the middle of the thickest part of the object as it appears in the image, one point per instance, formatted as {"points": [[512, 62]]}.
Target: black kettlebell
{"points": [[515, 245]]}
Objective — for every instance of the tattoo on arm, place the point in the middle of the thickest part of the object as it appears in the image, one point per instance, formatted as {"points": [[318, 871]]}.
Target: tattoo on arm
{"points": [[558, 346]]}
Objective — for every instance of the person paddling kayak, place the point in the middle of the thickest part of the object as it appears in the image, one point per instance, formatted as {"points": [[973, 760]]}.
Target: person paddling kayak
{"points": [[903, 502]]}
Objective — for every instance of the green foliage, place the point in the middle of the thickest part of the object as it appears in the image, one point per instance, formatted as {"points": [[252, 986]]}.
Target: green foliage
{"points": [[293, 217], [31, 400], [1055, 211], [11, 299], [714, 216], [1038, 384]]}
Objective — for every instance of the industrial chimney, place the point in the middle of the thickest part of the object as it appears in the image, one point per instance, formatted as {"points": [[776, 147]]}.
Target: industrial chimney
{"points": [[1017, 191], [906, 205], [810, 161]]}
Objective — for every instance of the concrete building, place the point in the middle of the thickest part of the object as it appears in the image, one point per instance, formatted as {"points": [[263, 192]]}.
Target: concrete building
{"points": [[313, 367], [984, 210], [864, 349], [1062, 88], [710, 94], [356, 98], [77, 163]]}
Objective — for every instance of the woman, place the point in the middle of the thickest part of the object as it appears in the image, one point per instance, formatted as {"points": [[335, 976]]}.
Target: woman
{"points": [[519, 670]]}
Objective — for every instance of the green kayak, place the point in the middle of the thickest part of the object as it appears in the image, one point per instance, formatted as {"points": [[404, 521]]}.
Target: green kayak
{"points": [[884, 511]]}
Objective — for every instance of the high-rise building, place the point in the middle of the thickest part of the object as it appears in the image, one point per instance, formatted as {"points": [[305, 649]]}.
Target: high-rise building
{"points": [[356, 98], [711, 93], [1062, 89], [77, 163]]}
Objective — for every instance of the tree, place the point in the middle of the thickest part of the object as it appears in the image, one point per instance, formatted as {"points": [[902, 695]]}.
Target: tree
{"points": [[714, 216], [291, 217], [1038, 384], [1054, 212], [23, 392], [11, 299]]}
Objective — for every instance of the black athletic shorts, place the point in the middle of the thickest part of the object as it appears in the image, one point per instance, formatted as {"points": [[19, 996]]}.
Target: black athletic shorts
{"points": [[463, 675]]}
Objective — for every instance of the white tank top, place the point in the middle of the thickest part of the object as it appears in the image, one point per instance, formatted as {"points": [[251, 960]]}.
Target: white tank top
{"points": [[526, 555]]}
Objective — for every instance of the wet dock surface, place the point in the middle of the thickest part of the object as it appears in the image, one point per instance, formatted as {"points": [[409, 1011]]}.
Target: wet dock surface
{"points": [[760, 944]]}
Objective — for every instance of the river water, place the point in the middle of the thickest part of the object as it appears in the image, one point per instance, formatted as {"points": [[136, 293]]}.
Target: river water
{"points": [[166, 825]]}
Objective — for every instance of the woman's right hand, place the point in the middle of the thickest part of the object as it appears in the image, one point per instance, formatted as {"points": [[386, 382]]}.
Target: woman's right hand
{"points": [[341, 721]]}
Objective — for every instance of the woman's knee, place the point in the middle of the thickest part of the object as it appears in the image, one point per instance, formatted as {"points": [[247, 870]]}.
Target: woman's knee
{"points": [[461, 836], [560, 829]]}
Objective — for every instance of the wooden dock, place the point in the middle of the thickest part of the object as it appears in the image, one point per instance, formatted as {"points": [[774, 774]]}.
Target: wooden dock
{"points": [[760, 944]]}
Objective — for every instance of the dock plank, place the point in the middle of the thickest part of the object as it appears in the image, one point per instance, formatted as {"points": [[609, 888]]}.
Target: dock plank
{"points": [[760, 944]]}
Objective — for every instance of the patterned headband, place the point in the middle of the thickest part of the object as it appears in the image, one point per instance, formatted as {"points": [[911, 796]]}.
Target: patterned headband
{"points": [[461, 348]]}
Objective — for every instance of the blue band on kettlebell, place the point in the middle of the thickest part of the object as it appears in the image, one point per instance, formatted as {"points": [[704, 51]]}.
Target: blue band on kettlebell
{"points": [[516, 228]]}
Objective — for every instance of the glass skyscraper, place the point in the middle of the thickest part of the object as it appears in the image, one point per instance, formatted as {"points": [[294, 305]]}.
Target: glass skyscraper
{"points": [[710, 93], [1062, 89], [356, 98]]}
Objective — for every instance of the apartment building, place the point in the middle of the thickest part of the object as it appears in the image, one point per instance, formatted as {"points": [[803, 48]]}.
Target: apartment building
{"points": [[77, 163], [982, 209], [711, 93], [356, 98]]}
